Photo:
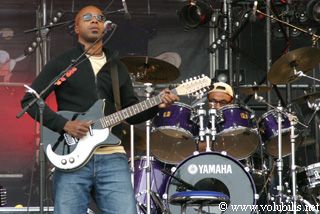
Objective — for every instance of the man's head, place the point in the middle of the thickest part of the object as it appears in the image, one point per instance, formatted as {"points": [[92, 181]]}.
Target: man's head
{"points": [[89, 24], [220, 95]]}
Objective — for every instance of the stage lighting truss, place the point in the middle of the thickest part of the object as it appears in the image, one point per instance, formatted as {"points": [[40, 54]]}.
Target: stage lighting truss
{"points": [[42, 32], [3, 196]]}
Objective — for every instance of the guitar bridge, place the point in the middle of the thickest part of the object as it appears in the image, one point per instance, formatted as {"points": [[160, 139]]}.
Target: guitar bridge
{"points": [[69, 139]]}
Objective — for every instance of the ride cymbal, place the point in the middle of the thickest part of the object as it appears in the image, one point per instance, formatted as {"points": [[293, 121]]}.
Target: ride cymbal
{"points": [[302, 59], [307, 97], [150, 70], [251, 89]]}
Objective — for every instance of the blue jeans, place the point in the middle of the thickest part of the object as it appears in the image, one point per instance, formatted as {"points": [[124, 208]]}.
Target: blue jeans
{"points": [[106, 177]]}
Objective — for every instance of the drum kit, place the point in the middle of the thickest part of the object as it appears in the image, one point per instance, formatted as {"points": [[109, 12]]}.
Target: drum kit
{"points": [[242, 150]]}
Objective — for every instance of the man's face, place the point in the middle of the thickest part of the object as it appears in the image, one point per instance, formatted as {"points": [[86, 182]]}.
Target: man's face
{"points": [[89, 24], [218, 99]]}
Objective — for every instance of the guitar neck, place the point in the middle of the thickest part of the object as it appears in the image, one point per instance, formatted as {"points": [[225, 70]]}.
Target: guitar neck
{"points": [[117, 117]]}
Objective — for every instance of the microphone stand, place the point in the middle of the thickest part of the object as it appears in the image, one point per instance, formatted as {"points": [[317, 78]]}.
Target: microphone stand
{"points": [[47, 26], [38, 99]]}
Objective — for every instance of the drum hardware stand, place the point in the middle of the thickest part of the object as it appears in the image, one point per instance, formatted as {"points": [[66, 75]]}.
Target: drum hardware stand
{"points": [[132, 153], [280, 160], [293, 121], [213, 115], [148, 92], [203, 132]]}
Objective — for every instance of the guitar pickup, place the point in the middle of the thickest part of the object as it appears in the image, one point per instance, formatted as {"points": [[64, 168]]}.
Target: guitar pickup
{"points": [[69, 139]]}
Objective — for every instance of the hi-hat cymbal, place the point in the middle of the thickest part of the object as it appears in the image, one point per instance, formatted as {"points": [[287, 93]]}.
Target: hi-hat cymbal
{"points": [[307, 97], [251, 89], [302, 59], [150, 70]]}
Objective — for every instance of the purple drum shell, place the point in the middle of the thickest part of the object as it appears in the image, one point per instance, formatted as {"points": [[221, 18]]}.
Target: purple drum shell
{"points": [[234, 116], [268, 128], [175, 121], [268, 125], [236, 132], [157, 184]]}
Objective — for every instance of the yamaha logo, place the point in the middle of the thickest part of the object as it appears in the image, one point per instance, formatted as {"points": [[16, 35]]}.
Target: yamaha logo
{"points": [[210, 169], [193, 169]]}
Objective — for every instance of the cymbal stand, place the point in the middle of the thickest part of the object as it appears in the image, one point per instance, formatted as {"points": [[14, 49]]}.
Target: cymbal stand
{"points": [[148, 91], [279, 160], [293, 121], [301, 74], [132, 154]]}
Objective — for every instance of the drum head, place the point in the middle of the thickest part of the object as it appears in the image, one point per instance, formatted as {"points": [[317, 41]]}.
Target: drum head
{"points": [[213, 172], [236, 132], [171, 150], [172, 136]]}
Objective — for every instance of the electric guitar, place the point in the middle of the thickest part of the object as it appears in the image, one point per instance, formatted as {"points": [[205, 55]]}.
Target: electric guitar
{"points": [[68, 153]]}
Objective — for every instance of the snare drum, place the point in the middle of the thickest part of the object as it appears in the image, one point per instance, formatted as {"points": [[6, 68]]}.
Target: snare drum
{"points": [[157, 184], [308, 178], [172, 137], [237, 132], [213, 171], [268, 128]]}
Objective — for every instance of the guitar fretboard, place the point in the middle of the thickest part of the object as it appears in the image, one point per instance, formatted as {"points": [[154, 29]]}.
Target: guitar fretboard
{"points": [[117, 117]]}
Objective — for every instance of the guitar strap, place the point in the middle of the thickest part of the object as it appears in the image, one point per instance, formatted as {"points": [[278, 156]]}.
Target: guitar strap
{"points": [[115, 85]]}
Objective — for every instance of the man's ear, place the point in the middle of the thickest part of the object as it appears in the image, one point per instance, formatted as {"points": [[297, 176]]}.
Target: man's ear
{"points": [[76, 28]]}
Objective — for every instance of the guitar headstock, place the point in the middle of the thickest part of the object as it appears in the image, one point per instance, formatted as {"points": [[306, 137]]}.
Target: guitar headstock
{"points": [[193, 85]]}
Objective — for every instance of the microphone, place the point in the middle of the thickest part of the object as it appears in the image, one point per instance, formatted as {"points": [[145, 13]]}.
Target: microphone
{"points": [[126, 12], [109, 25]]}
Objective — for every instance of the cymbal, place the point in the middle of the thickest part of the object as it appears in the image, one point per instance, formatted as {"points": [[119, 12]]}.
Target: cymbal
{"points": [[302, 59], [139, 139], [307, 97], [150, 70], [251, 89]]}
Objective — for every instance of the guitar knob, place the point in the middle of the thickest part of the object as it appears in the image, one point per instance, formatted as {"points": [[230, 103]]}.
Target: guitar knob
{"points": [[71, 160], [64, 161]]}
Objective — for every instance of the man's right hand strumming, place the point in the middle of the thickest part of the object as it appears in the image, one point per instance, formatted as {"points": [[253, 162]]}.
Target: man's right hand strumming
{"points": [[77, 128]]}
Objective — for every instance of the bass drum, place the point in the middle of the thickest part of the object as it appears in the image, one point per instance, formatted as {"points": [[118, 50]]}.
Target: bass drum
{"points": [[213, 171]]}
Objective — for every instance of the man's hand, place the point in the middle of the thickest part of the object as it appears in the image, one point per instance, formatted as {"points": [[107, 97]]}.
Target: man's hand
{"points": [[77, 128], [167, 98]]}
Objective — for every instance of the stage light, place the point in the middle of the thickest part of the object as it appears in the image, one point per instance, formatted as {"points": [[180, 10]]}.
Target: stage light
{"points": [[196, 13], [313, 10], [222, 75]]}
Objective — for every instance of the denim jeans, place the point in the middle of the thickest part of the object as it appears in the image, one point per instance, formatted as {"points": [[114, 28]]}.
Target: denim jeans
{"points": [[105, 177]]}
